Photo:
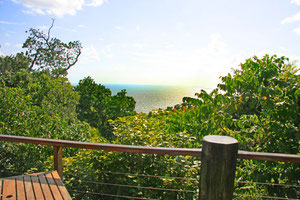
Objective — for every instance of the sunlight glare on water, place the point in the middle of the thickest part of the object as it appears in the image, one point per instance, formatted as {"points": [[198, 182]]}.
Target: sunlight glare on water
{"points": [[149, 97]]}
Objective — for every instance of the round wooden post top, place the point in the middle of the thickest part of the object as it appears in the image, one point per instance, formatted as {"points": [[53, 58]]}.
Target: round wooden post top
{"points": [[220, 139]]}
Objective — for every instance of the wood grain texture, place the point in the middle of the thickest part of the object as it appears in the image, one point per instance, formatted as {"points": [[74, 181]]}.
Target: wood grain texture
{"points": [[99, 146], [57, 152], [20, 188], [218, 165], [37, 187], [149, 150], [28, 187], [9, 189], [53, 187], [65, 194], [1, 189], [45, 187]]}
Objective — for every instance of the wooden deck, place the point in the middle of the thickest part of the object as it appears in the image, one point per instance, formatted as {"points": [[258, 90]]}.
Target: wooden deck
{"points": [[39, 186]]}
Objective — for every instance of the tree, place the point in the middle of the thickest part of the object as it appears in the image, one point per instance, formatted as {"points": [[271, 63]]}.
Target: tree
{"points": [[9, 65], [37, 105], [266, 93], [50, 53], [139, 129], [97, 105], [259, 106]]}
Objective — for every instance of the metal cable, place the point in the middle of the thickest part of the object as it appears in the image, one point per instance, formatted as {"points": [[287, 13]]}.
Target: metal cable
{"points": [[272, 184], [140, 187], [266, 197], [148, 175], [111, 195]]}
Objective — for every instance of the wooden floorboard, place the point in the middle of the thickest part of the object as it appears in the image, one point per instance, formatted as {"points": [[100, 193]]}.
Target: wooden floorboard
{"points": [[9, 189], [20, 188], [65, 194], [28, 187], [1, 189], [45, 187], [53, 187], [38, 186]]}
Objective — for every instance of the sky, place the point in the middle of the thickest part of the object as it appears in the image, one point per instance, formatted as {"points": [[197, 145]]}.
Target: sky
{"points": [[158, 42]]}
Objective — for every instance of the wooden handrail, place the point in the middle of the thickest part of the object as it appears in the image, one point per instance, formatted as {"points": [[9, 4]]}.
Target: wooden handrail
{"points": [[269, 156], [100, 146], [218, 161], [147, 149]]}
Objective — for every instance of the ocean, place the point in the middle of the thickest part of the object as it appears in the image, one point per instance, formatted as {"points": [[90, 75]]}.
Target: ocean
{"points": [[149, 97]]}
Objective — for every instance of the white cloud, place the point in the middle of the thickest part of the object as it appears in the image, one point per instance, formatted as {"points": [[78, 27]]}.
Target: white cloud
{"points": [[90, 53], [65, 29], [297, 30], [137, 28], [118, 28], [81, 26], [10, 23], [216, 45], [56, 7], [138, 45], [7, 44], [292, 19], [164, 34], [94, 3], [297, 2], [107, 50], [43, 28], [173, 66], [19, 45], [1, 54]]}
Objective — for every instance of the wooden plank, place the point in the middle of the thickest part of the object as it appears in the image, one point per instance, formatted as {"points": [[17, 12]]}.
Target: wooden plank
{"points": [[1, 189], [20, 188], [57, 152], [53, 187], [28, 187], [150, 150], [218, 166], [105, 147], [65, 194], [9, 189], [45, 187], [269, 156], [37, 187]]}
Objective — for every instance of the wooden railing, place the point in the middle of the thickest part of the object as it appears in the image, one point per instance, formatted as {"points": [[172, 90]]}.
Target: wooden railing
{"points": [[213, 146]]}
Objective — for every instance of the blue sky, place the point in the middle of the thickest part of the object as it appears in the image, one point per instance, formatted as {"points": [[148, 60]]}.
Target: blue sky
{"points": [[162, 42]]}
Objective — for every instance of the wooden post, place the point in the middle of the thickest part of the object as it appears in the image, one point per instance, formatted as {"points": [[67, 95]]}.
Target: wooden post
{"points": [[218, 163], [57, 152]]}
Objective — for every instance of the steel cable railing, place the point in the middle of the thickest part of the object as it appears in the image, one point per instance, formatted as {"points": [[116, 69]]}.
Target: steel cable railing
{"points": [[137, 183], [138, 187], [58, 145], [269, 184], [244, 196], [109, 195], [255, 185], [152, 176]]}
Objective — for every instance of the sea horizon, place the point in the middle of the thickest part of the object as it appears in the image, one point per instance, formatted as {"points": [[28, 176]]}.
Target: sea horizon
{"points": [[153, 97]]}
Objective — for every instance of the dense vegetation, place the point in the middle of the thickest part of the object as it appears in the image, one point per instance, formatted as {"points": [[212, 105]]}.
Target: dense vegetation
{"points": [[258, 104]]}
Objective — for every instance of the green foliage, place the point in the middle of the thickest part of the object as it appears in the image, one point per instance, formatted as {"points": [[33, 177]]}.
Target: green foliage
{"points": [[259, 106], [88, 167], [37, 105], [51, 53], [9, 65], [97, 105]]}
